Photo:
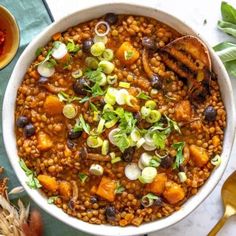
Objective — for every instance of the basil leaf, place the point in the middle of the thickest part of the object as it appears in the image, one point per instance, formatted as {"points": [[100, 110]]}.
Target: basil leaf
{"points": [[228, 13], [226, 51], [227, 27], [231, 67]]}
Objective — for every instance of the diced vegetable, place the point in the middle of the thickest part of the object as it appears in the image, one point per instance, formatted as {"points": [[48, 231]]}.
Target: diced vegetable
{"points": [[127, 54], [52, 105], [56, 36], [48, 182], [158, 185], [65, 189], [46, 69], [97, 49], [106, 66], [105, 147], [115, 160], [148, 175], [44, 141], [173, 193], [106, 189], [199, 155], [182, 176], [132, 171], [183, 111], [96, 169], [70, 111], [94, 142]]}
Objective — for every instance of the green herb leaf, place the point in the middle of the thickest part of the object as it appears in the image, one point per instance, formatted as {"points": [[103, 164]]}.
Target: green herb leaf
{"points": [[84, 99], [72, 47], [173, 124], [128, 55], [227, 27], [119, 188], [24, 167], [64, 97], [231, 67], [52, 199], [159, 139], [228, 13], [179, 156], [121, 141], [143, 96], [83, 177], [38, 51], [81, 125]]}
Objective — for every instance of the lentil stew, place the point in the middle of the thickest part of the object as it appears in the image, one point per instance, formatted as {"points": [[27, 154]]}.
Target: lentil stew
{"points": [[111, 125]]}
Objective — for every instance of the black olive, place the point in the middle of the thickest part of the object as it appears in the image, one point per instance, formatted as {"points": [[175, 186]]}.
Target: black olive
{"points": [[149, 43], [74, 134], [22, 121], [156, 82], [111, 18], [166, 162], [110, 213], [29, 130], [93, 199], [43, 80], [158, 202], [128, 154], [83, 152], [87, 44], [80, 86], [71, 204], [210, 113], [70, 144]]}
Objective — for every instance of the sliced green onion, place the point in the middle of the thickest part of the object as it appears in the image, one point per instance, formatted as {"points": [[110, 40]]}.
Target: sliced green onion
{"points": [[108, 107], [182, 177], [96, 169], [97, 49], [112, 155], [94, 141], [110, 98], [96, 115], [145, 111], [59, 50], [98, 39], [148, 199], [124, 84], [91, 62], [150, 104], [105, 147], [107, 55], [106, 66], [102, 23], [148, 147], [69, 111], [111, 79], [102, 79], [115, 160], [145, 159], [130, 100], [121, 96], [132, 171], [155, 162], [135, 135], [140, 165], [140, 142], [46, 69], [101, 125], [148, 174], [154, 92], [110, 123], [216, 160], [77, 74], [112, 134], [153, 116]]}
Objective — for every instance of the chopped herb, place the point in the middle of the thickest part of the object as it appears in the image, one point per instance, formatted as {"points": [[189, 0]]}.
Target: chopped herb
{"points": [[32, 180], [93, 107], [64, 97], [179, 156], [96, 90], [83, 177], [173, 124], [72, 47], [143, 96], [121, 140], [38, 51], [52, 199], [84, 99], [159, 139], [119, 188], [81, 125], [128, 55]]}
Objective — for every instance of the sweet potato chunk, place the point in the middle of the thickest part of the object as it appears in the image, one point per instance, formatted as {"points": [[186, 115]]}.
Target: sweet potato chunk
{"points": [[44, 141], [127, 54], [65, 189], [183, 111], [48, 182], [52, 105], [158, 185], [173, 193], [199, 155], [106, 189]]}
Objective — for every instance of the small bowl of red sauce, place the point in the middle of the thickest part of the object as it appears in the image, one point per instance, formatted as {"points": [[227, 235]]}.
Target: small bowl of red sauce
{"points": [[9, 37]]}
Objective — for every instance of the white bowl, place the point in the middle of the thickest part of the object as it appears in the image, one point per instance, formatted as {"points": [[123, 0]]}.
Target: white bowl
{"points": [[9, 106]]}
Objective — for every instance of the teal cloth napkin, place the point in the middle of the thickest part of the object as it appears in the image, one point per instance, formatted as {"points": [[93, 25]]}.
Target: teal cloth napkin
{"points": [[32, 17]]}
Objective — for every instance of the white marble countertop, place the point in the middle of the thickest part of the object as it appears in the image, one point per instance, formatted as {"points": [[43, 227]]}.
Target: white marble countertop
{"points": [[199, 222]]}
